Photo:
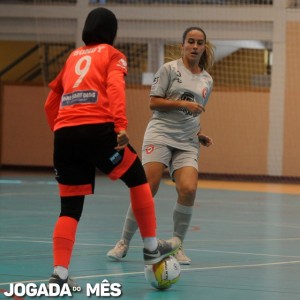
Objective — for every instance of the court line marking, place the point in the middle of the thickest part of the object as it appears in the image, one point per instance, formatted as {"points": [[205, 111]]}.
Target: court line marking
{"points": [[25, 182], [290, 189], [140, 247], [183, 270], [48, 240], [265, 187]]}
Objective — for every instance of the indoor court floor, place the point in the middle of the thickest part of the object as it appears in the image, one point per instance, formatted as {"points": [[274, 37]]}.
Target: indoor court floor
{"points": [[244, 239]]}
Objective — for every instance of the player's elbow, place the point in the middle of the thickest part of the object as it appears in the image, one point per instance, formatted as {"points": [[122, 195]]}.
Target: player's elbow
{"points": [[153, 105]]}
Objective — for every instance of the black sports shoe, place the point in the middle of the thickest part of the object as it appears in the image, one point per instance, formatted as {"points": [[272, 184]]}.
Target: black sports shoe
{"points": [[164, 249], [56, 279]]}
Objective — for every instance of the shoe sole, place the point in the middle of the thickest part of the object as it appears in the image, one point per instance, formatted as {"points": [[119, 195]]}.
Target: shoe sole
{"points": [[116, 258]]}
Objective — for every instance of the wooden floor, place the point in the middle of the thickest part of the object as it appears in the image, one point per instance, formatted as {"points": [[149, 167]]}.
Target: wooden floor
{"points": [[244, 239]]}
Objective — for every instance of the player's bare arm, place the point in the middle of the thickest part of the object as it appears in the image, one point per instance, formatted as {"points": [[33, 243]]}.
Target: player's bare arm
{"points": [[162, 104]]}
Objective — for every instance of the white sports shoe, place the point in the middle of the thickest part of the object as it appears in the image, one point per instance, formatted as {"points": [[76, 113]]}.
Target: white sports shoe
{"points": [[182, 258], [119, 251]]}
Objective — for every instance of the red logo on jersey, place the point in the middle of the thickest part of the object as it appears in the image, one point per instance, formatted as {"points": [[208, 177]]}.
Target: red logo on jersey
{"points": [[149, 149], [204, 93]]}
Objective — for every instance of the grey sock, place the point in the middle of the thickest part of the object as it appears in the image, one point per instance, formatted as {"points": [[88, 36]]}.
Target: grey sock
{"points": [[130, 226], [182, 217]]}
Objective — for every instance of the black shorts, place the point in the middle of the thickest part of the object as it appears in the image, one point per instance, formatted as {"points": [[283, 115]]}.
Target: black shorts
{"points": [[80, 150]]}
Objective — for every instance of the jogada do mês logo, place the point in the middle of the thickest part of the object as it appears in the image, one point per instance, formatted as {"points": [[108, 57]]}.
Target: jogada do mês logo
{"points": [[103, 289]]}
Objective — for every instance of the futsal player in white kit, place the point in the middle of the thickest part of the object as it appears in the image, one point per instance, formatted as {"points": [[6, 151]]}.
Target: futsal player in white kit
{"points": [[179, 94]]}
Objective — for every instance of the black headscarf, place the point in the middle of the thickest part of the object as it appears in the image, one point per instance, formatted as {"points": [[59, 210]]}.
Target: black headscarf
{"points": [[100, 27]]}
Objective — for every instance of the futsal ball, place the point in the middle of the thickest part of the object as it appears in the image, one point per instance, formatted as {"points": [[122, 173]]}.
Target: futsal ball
{"points": [[163, 274]]}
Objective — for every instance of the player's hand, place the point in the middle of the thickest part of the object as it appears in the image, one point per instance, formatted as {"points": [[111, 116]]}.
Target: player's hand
{"points": [[205, 140], [122, 140], [194, 108]]}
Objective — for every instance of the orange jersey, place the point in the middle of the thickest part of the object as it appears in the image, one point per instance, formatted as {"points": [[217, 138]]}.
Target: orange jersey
{"points": [[90, 89]]}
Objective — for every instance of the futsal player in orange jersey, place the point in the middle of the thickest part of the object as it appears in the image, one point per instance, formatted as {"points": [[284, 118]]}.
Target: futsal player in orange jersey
{"points": [[86, 110]]}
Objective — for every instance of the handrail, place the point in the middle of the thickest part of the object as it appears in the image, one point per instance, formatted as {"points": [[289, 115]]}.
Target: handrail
{"points": [[36, 69], [31, 73], [18, 60]]}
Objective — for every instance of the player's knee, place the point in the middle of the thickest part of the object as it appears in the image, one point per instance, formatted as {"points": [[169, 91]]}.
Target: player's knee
{"points": [[187, 192], [135, 175], [72, 207]]}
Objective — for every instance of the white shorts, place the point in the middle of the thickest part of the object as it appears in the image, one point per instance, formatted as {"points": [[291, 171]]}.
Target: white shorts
{"points": [[172, 158]]}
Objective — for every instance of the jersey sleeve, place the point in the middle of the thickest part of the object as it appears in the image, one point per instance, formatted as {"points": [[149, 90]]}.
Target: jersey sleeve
{"points": [[161, 82], [51, 107], [117, 69], [57, 85], [53, 99]]}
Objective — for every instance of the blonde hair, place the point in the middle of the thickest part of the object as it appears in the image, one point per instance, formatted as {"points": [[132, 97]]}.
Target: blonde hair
{"points": [[209, 56]]}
